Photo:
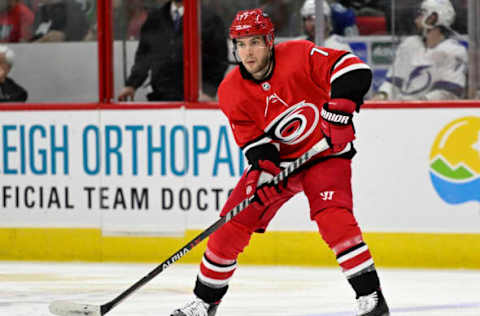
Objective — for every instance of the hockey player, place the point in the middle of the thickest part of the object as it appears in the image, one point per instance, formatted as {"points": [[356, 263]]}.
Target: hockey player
{"points": [[280, 101], [308, 15], [431, 65]]}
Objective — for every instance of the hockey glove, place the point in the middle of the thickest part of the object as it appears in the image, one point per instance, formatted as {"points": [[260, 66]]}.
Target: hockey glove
{"points": [[256, 183], [336, 123]]}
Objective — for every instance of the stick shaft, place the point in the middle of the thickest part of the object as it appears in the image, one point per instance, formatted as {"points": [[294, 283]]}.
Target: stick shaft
{"points": [[318, 148], [105, 308]]}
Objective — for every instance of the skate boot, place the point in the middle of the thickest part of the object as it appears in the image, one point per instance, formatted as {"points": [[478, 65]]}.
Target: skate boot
{"points": [[197, 307], [372, 305]]}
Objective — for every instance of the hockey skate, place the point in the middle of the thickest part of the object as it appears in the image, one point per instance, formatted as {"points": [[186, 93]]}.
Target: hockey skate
{"points": [[197, 307], [372, 305]]}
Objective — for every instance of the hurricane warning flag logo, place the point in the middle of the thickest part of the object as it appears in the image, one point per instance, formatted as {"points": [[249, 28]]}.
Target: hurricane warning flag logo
{"points": [[455, 161]]}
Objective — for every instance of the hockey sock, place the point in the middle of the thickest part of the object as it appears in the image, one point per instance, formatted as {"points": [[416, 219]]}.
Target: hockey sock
{"points": [[208, 294], [219, 261], [341, 232], [355, 260], [212, 280]]}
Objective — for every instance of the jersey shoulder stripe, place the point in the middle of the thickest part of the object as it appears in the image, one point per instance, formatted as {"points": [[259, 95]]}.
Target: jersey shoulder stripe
{"points": [[346, 63]]}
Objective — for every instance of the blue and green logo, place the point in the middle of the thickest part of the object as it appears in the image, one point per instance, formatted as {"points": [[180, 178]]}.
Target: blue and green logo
{"points": [[455, 161]]}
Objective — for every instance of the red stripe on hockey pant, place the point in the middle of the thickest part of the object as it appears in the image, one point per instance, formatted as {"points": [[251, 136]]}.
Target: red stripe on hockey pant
{"points": [[357, 260], [229, 241], [337, 225]]}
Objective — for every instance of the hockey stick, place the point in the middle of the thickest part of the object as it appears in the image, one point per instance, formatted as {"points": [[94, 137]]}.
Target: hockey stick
{"points": [[66, 308]]}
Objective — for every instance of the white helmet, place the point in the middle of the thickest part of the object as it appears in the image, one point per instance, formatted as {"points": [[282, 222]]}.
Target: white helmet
{"points": [[308, 9], [9, 54], [444, 10]]}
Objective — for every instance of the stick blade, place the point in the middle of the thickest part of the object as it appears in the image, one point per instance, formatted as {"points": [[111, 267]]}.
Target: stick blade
{"points": [[66, 308]]}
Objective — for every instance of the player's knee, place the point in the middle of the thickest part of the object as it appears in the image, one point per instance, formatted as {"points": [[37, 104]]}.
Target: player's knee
{"points": [[229, 241], [338, 228]]}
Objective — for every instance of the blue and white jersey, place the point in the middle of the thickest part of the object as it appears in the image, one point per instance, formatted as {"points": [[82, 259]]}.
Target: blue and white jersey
{"points": [[332, 41], [421, 73], [337, 42]]}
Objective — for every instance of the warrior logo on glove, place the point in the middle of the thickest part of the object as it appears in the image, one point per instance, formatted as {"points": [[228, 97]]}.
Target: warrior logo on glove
{"points": [[337, 124]]}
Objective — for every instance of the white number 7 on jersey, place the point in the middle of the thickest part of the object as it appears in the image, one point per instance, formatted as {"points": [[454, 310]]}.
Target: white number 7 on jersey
{"points": [[318, 50]]}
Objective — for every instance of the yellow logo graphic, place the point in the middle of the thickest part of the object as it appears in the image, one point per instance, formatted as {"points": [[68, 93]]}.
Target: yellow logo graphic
{"points": [[455, 161]]}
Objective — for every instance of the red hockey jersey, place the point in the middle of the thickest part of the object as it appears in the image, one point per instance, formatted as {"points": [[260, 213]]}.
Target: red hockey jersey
{"points": [[16, 24], [285, 109]]}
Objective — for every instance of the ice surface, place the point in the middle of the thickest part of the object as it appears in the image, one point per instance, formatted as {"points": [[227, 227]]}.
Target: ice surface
{"points": [[27, 288]]}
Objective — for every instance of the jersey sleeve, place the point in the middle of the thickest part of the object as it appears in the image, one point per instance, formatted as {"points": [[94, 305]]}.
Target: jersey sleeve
{"points": [[59, 22], [326, 64]]}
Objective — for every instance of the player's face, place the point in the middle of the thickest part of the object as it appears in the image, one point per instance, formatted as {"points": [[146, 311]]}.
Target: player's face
{"points": [[309, 25], [254, 55]]}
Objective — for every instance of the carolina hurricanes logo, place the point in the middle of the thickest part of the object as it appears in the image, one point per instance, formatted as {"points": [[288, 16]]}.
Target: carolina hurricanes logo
{"points": [[294, 124]]}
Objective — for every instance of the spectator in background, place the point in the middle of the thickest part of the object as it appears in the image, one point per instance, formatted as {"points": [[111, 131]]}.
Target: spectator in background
{"points": [[369, 16], [366, 7], [10, 91], [343, 19], [59, 20], [397, 13], [279, 12], [404, 10], [128, 18], [16, 21], [429, 66], [330, 40], [31, 4], [160, 51], [461, 22], [89, 7]]}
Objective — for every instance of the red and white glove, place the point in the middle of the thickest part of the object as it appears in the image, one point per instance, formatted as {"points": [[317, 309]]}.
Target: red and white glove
{"points": [[336, 123], [256, 183]]}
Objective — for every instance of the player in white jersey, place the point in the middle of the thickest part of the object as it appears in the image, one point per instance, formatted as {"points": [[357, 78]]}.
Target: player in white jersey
{"points": [[429, 66], [331, 40]]}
